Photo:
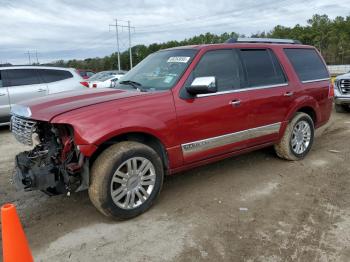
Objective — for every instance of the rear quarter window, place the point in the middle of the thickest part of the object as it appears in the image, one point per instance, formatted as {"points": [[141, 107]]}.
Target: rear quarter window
{"points": [[307, 64], [52, 75]]}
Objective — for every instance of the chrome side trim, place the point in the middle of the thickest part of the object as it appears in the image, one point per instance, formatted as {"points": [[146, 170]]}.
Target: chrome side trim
{"points": [[242, 90], [213, 142], [5, 124], [315, 80]]}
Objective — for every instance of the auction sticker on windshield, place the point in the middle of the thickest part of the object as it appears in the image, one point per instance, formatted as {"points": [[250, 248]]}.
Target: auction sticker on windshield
{"points": [[178, 59]]}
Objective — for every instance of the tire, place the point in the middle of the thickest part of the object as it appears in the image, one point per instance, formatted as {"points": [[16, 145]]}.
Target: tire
{"points": [[288, 147], [342, 108], [117, 171]]}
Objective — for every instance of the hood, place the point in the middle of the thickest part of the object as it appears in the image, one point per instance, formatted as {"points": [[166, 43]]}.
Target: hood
{"points": [[46, 108], [344, 76]]}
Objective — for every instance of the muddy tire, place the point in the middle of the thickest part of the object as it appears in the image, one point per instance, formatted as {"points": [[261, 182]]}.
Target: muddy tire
{"points": [[126, 179], [297, 139], [342, 108]]}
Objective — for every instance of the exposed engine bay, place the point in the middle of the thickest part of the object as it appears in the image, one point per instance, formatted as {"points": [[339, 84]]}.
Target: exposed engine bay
{"points": [[54, 165]]}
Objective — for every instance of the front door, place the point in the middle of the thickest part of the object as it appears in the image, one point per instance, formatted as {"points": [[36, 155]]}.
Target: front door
{"points": [[214, 124], [23, 84], [4, 103]]}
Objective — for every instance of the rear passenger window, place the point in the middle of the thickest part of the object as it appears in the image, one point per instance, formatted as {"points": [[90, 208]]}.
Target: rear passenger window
{"points": [[307, 64], [224, 65], [21, 77], [261, 68], [52, 75]]}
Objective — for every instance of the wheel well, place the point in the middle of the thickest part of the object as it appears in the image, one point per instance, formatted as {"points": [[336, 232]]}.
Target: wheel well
{"points": [[143, 138], [310, 111]]}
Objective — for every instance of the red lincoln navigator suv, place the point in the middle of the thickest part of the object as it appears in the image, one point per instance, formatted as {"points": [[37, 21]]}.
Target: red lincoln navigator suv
{"points": [[177, 109]]}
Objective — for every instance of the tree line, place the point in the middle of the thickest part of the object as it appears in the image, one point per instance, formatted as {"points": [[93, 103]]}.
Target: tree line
{"points": [[330, 36]]}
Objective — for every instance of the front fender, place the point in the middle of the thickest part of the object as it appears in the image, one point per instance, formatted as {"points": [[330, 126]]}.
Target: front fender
{"points": [[93, 125]]}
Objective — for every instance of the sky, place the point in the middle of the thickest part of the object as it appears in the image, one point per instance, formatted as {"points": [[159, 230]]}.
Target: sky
{"points": [[64, 29]]}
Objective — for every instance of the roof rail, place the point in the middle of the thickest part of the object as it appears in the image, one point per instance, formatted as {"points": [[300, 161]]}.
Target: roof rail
{"points": [[262, 40]]}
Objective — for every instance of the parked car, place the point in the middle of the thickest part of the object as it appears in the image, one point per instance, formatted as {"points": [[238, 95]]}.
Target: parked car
{"points": [[105, 79], [18, 83], [85, 74], [342, 93], [179, 108]]}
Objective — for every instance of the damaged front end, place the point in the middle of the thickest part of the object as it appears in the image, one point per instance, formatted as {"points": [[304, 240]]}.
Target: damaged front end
{"points": [[54, 165]]}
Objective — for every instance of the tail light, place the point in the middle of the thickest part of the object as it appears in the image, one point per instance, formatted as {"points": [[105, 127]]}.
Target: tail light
{"points": [[94, 85], [86, 84], [331, 90]]}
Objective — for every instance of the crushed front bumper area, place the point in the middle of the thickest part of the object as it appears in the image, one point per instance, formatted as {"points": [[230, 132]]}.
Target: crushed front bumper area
{"points": [[30, 175]]}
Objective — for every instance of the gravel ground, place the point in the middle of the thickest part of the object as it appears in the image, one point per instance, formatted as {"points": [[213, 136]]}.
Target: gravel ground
{"points": [[254, 207]]}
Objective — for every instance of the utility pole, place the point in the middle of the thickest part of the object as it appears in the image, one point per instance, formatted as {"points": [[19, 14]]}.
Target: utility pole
{"points": [[117, 37], [36, 55], [130, 53], [29, 58]]}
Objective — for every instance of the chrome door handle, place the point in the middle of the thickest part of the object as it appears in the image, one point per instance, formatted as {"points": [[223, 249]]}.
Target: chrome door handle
{"points": [[289, 93], [41, 90], [235, 102], [2, 94]]}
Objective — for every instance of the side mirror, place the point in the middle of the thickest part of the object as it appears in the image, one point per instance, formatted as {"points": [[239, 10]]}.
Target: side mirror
{"points": [[114, 82], [202, 85]]}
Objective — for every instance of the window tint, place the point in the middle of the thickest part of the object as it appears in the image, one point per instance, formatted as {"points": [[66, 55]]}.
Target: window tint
{"points": [[261, 67], [0, 80], [89, 74], [52, 75], [20, 77], [224, 65], [307, 64], [82, 73]]}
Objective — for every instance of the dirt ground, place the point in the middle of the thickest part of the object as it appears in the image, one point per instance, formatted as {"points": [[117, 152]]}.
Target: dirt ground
{"points": [[254, 207]]}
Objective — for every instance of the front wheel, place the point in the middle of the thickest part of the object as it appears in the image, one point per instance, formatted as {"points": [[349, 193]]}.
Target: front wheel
{"points": [[297, 139], [126, 179]]}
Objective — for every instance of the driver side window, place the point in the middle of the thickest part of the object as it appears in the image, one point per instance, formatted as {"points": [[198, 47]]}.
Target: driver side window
{"points": [[224, 65]]}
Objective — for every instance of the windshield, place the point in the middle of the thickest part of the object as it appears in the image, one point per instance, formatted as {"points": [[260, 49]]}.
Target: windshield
{"points": [[102, 76], [159, 71]]}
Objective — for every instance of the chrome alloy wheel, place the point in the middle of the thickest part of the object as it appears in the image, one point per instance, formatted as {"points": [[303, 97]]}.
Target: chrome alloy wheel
{"points": [[133, 182], [301, 137]]}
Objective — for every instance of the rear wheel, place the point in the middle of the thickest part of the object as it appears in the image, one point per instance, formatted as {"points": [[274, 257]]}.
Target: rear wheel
{"points": [[126, 179], [342, 108], [297, 139]]}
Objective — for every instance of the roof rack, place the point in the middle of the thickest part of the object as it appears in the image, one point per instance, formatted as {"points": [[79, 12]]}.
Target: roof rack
{"points": [[262, 40]]}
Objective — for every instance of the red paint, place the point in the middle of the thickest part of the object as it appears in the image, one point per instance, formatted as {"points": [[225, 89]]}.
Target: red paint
{"points": [[98, 115]]}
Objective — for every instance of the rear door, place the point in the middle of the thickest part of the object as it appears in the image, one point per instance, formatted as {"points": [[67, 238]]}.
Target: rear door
{"points": [[4, 102], [270, 94], [23, 84], [59, 80]]}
